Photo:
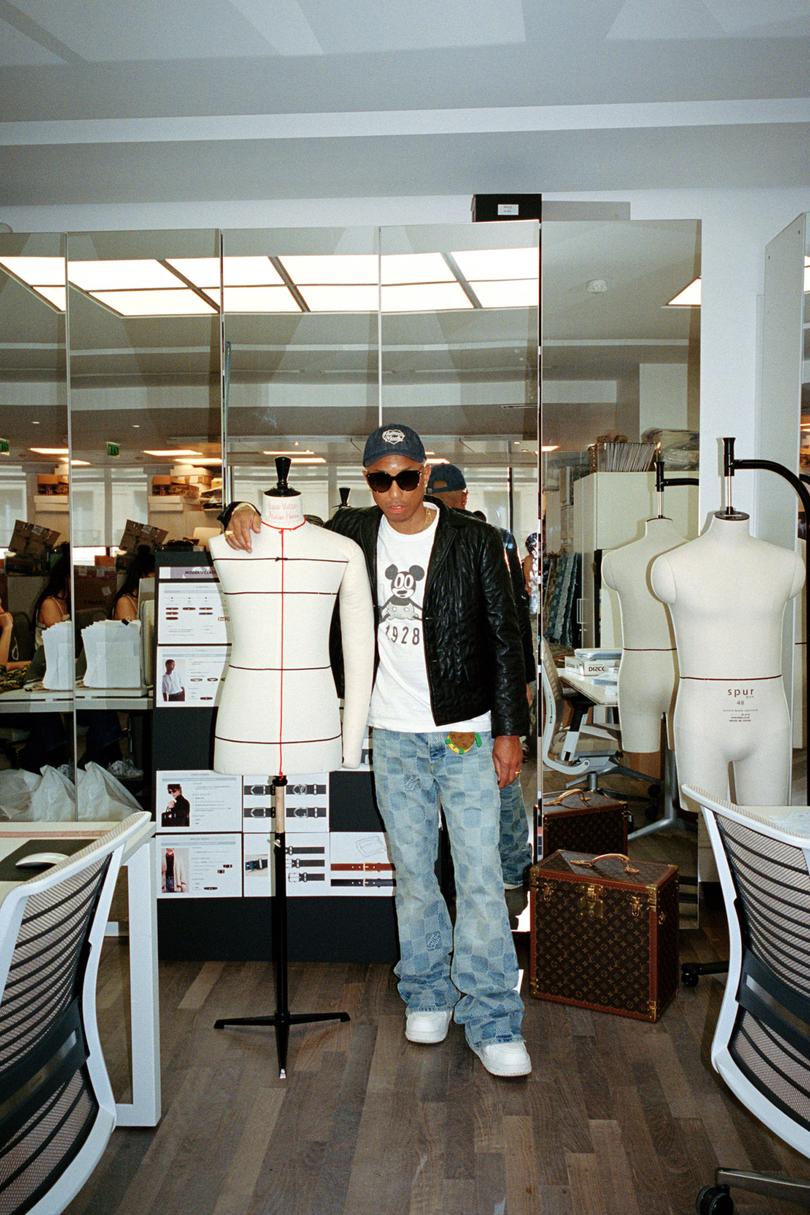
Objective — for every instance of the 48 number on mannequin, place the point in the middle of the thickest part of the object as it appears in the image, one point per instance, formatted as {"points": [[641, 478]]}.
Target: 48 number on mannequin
{"points": [[403, 634]]}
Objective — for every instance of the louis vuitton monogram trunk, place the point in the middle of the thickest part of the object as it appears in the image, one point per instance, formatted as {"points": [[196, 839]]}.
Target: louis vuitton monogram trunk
{"points": [[584, 821], [604, 933]]}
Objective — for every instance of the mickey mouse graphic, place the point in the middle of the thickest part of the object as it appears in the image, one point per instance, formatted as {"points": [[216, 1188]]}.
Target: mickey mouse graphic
{"points": [[400, 604]]}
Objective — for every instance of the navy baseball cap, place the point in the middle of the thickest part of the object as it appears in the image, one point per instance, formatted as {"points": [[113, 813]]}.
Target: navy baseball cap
{"points": [[445, 479], [393, 439]]}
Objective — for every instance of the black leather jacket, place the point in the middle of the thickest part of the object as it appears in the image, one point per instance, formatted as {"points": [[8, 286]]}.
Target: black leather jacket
{"points": [[473, 648]]}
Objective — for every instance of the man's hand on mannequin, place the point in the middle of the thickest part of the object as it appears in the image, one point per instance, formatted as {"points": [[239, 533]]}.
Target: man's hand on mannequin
{"points": [[507, 756], [243, 522]]}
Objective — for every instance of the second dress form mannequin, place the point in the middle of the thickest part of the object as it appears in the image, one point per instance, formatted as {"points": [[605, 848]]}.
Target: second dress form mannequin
{"points": [[279, 708], [648, 674], [727, 593]]}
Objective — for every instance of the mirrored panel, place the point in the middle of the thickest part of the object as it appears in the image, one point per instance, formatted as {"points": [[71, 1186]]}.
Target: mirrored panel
{"points": [[36, 633], [459, 356], [301, 361], [146, 400], [459, 351], [621, 361]]}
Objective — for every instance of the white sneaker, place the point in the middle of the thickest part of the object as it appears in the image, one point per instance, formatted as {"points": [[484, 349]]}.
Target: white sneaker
{"points": [[505, 1058], [428, 1027]]}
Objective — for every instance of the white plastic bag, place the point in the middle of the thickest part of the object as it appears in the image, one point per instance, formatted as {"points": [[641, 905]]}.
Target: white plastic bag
{"points": [[16, 787], [54, 799], [102, 798]]}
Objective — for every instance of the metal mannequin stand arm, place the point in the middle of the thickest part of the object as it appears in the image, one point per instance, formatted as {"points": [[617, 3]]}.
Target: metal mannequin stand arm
{"points": [[731, 465], [282, 1018]]}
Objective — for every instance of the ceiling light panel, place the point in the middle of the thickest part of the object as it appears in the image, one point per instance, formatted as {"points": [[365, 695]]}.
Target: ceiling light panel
{"points": [[339, 268], [180, 302], [498, 263], [690, 297], [36, 271], [49, 451], [507, 293], [415, 268], [425, 297], [176, 451], [127, 275], [54, 295], [236, 271], [340, 299], [255, 299]]}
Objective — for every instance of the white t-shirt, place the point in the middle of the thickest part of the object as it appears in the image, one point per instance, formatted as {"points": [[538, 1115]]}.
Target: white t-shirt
{"points": [[171, 684], [401, 696]]}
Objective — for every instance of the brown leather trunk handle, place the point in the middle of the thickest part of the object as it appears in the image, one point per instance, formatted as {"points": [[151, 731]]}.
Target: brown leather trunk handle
{"points": [[583, 793], [609, 856]]}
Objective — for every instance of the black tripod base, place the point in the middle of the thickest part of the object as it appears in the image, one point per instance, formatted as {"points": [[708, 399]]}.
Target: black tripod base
{"points": [[282, 1022]]}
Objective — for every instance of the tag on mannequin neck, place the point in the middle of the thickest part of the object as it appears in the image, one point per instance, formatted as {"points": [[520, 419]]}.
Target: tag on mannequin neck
{"points": [[283, 512]]}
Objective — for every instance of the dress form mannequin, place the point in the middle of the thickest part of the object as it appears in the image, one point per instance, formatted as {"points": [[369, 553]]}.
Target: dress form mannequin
{"points": [[648, 674], [279, 709], [727, 593]]}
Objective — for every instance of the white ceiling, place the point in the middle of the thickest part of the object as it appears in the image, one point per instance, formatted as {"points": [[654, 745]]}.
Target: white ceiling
{"points": [[241, 99]]}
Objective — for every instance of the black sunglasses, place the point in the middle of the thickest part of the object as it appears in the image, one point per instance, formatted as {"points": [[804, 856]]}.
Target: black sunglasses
{"points": [[381, 482]]}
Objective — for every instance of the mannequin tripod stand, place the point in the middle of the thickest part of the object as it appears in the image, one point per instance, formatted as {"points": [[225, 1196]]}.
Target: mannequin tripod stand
{"points": [[282, 1018]]}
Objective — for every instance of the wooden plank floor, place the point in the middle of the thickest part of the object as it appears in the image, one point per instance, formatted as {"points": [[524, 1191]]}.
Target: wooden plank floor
{"points": [[618, 1116]]}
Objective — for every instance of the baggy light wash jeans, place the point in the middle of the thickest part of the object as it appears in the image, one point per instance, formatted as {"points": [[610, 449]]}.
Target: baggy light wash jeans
{"points": [[515, 849], [474, 969]]}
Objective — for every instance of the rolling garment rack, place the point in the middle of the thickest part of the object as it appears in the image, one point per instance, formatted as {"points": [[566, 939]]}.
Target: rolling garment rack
{"points": [[671, 806], [282, 1018]]}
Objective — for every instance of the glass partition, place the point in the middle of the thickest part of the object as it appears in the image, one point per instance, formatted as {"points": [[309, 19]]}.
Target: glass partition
{"points": [[301, 359], [36, 700], [146, 413], [459, 356], [621, 364]]}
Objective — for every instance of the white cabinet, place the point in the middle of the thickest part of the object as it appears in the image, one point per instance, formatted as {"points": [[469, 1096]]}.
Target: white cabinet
{"points": [[610, 509]]}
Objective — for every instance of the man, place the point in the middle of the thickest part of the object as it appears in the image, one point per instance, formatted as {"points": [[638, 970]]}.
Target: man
{"points": [[171, 684], [448, 709], [178, 808], [447, 482]]}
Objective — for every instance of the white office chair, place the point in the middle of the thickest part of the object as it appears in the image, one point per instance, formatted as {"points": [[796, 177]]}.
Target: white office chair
{"points": [[56, 1105], [761, 1045], [577, 750]]}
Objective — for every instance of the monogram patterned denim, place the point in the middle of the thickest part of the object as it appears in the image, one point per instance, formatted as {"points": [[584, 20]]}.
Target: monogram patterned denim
{"points": [[474, 970], [515, 849]]}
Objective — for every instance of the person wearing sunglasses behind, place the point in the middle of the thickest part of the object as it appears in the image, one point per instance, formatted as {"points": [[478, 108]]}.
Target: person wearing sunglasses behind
{"points": [[448, 482], [447, 711]]}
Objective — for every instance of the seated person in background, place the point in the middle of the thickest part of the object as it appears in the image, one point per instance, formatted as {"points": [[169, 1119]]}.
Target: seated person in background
{"points": [[52, 605], [125, 603], [6, 642]]}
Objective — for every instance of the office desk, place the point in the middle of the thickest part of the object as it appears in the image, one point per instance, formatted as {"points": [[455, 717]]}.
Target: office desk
{"points": [[119, 699], [139, 859], [39, 700], [599, 693]]}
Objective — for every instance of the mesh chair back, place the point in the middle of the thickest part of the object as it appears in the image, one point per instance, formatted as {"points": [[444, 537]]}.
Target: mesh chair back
{"points": [[551, 679], [48, 1100], [770, 1039]]}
